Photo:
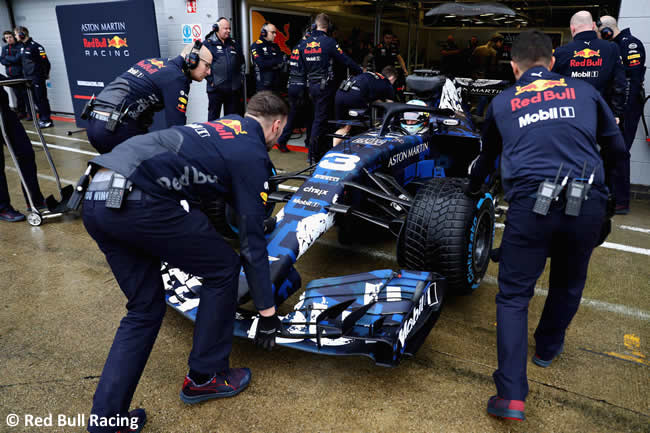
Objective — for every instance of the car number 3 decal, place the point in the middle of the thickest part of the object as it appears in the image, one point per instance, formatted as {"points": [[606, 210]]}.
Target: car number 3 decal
{"points": [[339, 161]]}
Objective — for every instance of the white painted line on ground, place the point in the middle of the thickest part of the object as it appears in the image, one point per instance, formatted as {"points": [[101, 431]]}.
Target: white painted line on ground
{"points": [[46, 177], [626, 248], [593, 303], [29, 131], [635, 229], [68, 149]]}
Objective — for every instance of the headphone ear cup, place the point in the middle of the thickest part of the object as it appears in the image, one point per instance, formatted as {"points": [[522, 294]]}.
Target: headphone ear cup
{"points": [[606, 33], [215, 27], [263, 32]]}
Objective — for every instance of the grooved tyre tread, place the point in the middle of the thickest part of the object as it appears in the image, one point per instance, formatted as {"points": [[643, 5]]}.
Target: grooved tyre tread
{"points": [[437, 234]]}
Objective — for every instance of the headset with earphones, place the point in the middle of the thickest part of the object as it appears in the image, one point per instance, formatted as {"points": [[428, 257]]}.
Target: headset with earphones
{"points": [[606, 32], [263, 32], [22, 32], [192, 58], [215, 26], [330, 27]]}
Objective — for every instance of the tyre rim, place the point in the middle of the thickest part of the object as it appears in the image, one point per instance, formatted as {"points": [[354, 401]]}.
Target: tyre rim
{"points": [[482, 241]]}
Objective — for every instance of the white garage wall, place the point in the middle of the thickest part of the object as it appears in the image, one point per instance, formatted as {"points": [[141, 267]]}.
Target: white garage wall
{"points": [[39, 17], [635, 14]]}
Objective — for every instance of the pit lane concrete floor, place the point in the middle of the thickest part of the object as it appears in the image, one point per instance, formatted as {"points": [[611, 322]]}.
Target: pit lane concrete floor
{"points": [[61, 306]]}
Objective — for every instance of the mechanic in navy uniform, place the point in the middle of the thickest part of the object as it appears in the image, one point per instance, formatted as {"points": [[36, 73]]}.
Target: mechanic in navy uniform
{"points": [[24, 151], [149, 86], [36, 67], [633, 54], [363, 89], [13, 64], [319, 54], [596, 61], [200, 163], [299, 103], [544, 124], [225, 81], [268, 59]]}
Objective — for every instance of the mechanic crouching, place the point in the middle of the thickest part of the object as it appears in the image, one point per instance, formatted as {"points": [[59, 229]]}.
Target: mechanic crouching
{"points": [[132, 210], [125, 108], [546, 129], [363, 89]]}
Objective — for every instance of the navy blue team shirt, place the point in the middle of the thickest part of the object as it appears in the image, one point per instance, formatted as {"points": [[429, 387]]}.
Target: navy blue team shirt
{"points": [[317, 53], [201, 162], [149, 86], [596, 61], [373, 86], [543, 121]]}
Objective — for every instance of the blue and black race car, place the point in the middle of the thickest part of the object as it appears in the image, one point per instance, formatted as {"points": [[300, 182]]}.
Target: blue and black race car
{"points": [[407, 184]]}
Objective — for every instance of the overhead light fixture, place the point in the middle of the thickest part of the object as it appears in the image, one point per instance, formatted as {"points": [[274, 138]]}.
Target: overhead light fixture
{"points": [[487, 14], [450, 16], [479, 22], [466, 19], [508, 22], [499, 18]]}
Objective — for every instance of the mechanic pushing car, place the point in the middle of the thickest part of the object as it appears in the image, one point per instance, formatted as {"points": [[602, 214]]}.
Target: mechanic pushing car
{"points": [[547, 129], [633, 54], [319, 54], [132, 209], [593, 60], [359, 91], [125, 108]]}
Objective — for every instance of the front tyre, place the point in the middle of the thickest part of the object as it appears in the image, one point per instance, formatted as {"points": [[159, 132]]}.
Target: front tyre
{"points": [[447, 232]]}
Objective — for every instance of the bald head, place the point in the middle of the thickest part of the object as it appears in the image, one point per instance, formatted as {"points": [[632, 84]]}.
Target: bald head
{"points": [[581, 22], [205, 60], [609, 21]]}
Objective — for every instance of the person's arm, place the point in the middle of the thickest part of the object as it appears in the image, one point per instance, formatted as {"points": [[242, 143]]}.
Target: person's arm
{"points": [[611, 142], [635, 71], [175, 95], [43, 60], [264, 62], [340, 57], [400, 59], [491, 147], [248, 181], [619, 86]]}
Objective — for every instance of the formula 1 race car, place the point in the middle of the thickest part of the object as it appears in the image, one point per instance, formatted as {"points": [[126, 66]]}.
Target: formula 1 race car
{"points": [[407, 184]]}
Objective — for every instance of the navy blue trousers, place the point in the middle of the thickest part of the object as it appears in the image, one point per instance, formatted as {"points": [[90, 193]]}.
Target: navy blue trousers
{"points": [[135, 239], [218, 98], [298, 109], [22, 147], [104, 141], [323, 100], [40, 99], [630, 124], [528, 240], [346, 101]]}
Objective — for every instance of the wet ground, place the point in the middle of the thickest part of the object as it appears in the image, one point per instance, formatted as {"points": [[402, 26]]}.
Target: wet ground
{"points": [[61, 306]]}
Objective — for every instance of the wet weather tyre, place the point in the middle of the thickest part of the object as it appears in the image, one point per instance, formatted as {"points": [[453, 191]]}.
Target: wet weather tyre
{"points": [[449, 233]]}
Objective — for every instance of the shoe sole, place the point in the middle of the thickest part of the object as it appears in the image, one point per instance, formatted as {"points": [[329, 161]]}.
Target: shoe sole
{"points": [[510, 414], [199, 398], [541, 363]]}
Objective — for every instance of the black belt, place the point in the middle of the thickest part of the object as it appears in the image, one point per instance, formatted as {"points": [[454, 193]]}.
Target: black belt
{"points": [[134, 194]]}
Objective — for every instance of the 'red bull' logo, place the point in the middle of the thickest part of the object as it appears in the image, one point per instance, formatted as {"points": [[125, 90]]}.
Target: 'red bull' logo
{"points": [[117, 42], [235, 125], [540, 86], [157, 63], [313, 44], [586, 53], [546, 96], [313, 48]]}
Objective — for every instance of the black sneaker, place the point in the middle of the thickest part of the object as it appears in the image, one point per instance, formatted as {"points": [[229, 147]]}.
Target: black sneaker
{"points": [[226, 384], [141, 417], [11, 215]]}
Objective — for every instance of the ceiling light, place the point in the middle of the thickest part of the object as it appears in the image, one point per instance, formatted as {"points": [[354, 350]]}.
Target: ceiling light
{"points": [[487, 15], [450, 16]]}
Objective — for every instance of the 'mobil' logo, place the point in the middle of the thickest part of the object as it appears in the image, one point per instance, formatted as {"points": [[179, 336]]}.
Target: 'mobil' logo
{"points": [[540, 86]]}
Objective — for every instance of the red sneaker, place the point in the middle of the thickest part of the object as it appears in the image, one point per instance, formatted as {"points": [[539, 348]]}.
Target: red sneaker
{"points": [[507, 409]]}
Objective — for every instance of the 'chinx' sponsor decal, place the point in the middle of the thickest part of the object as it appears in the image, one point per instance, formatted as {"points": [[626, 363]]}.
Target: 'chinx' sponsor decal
{"points": [[550, 114], [405, 154], [545, 96], [316, 191]]}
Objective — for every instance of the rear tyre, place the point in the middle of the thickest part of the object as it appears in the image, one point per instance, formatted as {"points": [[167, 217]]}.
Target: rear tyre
{"points": [[449, 233]]}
